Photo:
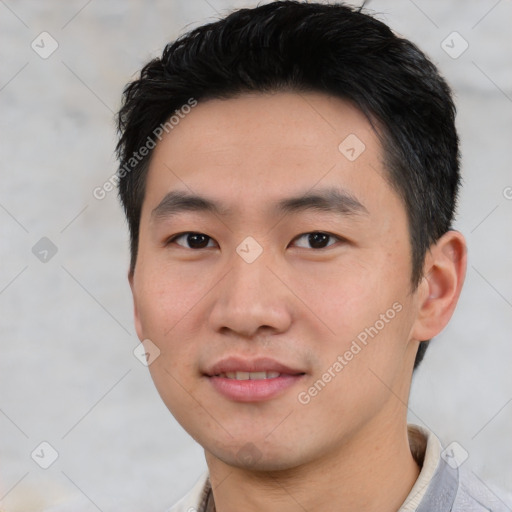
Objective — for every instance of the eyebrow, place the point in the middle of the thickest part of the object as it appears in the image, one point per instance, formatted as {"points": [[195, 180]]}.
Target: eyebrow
{"points": [[330, 200]]}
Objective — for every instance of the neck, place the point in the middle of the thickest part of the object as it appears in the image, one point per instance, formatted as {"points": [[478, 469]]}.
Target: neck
{"points": [[374, 471]]}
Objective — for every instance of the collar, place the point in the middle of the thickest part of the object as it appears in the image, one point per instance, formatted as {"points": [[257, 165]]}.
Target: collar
{"points": [[437, 483]]}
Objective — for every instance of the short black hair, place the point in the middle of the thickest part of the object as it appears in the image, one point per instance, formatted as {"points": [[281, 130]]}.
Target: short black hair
{"points": [[299, 46]]}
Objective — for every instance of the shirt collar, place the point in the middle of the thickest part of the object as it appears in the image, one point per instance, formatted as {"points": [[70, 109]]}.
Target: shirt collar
{"points": [[437, 483]]}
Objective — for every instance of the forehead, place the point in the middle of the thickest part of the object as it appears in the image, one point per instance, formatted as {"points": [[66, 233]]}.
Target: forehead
{"points": [[261, 147]]}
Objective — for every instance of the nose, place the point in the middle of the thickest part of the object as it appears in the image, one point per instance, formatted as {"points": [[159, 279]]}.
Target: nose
{"points": [[252, 297]]}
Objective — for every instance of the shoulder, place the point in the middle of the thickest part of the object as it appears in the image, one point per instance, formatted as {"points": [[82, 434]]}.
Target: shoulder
{"points": [[192, 501], [473, 495]]}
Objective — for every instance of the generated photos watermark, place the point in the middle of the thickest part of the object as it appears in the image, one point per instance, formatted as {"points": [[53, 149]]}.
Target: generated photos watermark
{"points": [[357, 345], [111, 183]]}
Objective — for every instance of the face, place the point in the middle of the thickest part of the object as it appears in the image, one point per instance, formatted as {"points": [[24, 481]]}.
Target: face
{"points": [[273, 275]]}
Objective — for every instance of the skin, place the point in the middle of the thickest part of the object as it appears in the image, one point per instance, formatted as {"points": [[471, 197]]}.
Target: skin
{"points": [[301, 305]]}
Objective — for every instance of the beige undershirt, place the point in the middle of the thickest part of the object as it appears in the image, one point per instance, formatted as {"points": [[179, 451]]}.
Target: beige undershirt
{"points": [[426, 450]]}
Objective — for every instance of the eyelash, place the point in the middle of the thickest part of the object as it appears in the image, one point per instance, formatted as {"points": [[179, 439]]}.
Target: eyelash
{"points": [[186, 233]]}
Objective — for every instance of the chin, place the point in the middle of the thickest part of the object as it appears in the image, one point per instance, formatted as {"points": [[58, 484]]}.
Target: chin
{"points": [[264, 465], [251, 457]]}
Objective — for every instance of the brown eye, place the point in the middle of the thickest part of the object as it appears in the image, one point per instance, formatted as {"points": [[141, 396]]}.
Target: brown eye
{"points": [[316, 240], [194, 240]]}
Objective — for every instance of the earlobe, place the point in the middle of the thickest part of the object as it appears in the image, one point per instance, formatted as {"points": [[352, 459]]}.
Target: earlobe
{"points": [[439, 291]]}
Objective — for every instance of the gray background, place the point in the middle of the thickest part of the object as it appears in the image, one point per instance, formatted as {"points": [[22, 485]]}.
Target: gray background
{"points": [[67, 372]]}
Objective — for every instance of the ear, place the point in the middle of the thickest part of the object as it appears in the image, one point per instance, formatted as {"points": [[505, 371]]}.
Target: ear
{"points": [[138, 324], [443, 276]]}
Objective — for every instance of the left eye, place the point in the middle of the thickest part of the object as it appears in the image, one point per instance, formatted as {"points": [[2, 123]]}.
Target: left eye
{"points": [[317, 239]]}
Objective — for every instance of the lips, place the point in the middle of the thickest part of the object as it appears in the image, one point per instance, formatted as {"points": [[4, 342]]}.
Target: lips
{"points": [[250, 369], [252, 380]]}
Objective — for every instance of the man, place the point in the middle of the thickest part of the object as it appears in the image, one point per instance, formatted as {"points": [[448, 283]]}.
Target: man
{"points": [[289, 176]]}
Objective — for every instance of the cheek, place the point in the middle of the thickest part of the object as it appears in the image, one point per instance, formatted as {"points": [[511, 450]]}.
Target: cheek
{"points": [[364, 311], [358, 370], [165, 304], [348, 296], [172, 381], [165, 322], [165, 297]]}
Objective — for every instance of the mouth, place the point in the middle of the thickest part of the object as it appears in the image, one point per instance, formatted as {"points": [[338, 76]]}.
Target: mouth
{"points": [[255, 380], [249, 375]]}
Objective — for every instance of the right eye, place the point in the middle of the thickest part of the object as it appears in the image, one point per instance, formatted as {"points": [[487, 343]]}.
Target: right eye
{"points": [[194, 240]]}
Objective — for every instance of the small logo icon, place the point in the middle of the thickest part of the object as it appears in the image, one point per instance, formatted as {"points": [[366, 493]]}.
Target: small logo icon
{"points": [[454, 455], [248, 454], [351, 147], [44, 45], [454, 45], [44, 455], [146, 352], [44, 250], [249, 250]]}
